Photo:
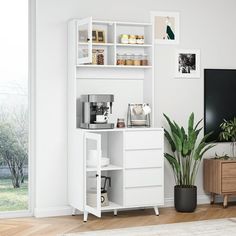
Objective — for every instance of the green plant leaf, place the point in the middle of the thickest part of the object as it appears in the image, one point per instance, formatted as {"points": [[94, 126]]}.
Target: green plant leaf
{"points": [[206, 149], [173, 162], [170, 140], [190, 123], [177, 141], [185, 149], [192, 140], [197, 124], [172, 127], [179, 132]]}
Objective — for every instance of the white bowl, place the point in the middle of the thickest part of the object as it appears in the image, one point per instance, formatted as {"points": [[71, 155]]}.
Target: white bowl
{"points": [[93, 162]]}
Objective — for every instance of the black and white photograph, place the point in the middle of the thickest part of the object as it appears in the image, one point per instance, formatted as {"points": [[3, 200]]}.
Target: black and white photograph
{"points": [[187, 64]]}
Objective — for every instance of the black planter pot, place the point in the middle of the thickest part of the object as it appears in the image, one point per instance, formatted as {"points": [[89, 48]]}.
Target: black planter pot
{"points": [[185, 198]]}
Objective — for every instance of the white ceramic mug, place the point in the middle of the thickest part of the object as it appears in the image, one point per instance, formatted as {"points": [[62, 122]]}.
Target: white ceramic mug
{"points": [[146, 110], [92, 154], [101, 118]]}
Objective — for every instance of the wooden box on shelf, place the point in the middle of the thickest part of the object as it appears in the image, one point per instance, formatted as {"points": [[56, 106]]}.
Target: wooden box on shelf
{"points": [[220, 178]]}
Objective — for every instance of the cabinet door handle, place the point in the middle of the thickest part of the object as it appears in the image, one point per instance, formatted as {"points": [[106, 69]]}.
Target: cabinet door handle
{"points": [[97, 175], [88, 39]]}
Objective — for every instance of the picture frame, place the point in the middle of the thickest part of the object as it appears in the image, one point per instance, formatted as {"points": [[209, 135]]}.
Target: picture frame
{"points": [[94, 36], [166, 27], [100, 36], [187, 63]]}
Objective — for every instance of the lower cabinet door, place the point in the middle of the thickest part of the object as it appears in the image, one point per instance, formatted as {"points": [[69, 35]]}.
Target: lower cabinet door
{"points": [[144, 196]]}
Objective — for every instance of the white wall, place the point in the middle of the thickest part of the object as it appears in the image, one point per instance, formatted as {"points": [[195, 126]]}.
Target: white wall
{"points": [[205, 25]]}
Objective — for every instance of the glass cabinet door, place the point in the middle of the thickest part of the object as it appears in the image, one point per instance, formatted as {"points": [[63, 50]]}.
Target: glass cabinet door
{"points": [[92, 160], [84, 41]]}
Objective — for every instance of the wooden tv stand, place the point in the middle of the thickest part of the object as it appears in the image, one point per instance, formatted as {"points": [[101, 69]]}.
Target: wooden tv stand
{"points": [[220, 178]]}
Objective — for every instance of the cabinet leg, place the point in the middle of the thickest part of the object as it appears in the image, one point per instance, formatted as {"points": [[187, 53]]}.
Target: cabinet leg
{"points": [[115, 212], [156, 211], [73, 211], [85, 216], [225, 203], [212, 198]]}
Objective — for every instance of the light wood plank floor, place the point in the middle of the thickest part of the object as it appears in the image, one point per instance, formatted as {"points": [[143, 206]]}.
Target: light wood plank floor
{"points": [[72, 224]]}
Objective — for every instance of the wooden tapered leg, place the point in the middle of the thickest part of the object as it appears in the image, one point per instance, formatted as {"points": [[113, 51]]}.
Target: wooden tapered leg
{"points": [[212, 198], [225, 203]]}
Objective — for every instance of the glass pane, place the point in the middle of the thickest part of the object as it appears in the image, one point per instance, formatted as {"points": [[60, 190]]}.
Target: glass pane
{"points": [[91, 179], [14, 105], [83, 41]]}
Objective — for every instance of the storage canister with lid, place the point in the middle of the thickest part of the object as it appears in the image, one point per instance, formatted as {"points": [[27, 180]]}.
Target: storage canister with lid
{"points": [[137, 60], [144, 61], [132, 39], [120, 60], [124, 38], [129, 60]]}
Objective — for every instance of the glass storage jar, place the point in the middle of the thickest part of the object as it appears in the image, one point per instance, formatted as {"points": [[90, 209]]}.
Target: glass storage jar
{"points": [[100, 57], [120, 60], [144, 61], [94, 57], [139, 39], [129, 60], [132, 39], [124, 38], [137, 60], [120, 123]]}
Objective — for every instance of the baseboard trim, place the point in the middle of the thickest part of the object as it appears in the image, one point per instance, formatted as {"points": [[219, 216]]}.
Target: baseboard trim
{"points": [[201, 199], [52, 211]]}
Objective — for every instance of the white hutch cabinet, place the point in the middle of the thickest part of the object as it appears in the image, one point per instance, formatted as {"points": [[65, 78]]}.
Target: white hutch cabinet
{"points": [[136, 158]]}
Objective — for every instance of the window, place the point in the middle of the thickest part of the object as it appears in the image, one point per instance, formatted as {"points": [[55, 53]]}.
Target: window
{"points": [[14, 108]]}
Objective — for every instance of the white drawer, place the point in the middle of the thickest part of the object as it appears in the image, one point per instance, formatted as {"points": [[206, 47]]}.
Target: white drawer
{"points": [[143, 158], [143, 177], [149, 139], [145, 196]]}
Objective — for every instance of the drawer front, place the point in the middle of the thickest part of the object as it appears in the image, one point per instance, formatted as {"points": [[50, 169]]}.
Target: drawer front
{"points": [[143, 177], [228, 185], [143, 139], [144, 196], [229, 170], [144, 158]]}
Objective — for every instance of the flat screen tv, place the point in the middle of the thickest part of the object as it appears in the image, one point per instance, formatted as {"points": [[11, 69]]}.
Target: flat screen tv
{"points": [[219, 99]]}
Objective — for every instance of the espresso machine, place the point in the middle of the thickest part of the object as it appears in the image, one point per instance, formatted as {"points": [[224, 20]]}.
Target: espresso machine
{"points": [[96, 109]]}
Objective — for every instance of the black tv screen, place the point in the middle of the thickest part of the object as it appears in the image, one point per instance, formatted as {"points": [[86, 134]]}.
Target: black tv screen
{"points": [[219, 99]]}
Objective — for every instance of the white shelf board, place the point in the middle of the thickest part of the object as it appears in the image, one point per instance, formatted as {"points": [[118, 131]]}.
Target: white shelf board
{"points": [[103, 22], [133, 23], [109, 167], [113, 78], [114, 66], [121, 23], [112, 206], [98, 44], [133, 45]]}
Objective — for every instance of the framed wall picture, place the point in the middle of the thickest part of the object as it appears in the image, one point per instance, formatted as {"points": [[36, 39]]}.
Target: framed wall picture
{"points": [[101, 36], [166, 27], [187, 63], [94, 36]]}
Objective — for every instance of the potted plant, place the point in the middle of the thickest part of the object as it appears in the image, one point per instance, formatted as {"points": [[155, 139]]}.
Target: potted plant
{"points": [[185, 159], [228, 133]]}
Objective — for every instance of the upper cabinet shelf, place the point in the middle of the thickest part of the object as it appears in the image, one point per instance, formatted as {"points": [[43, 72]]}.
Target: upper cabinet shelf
{"points": [[103, 43]]}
